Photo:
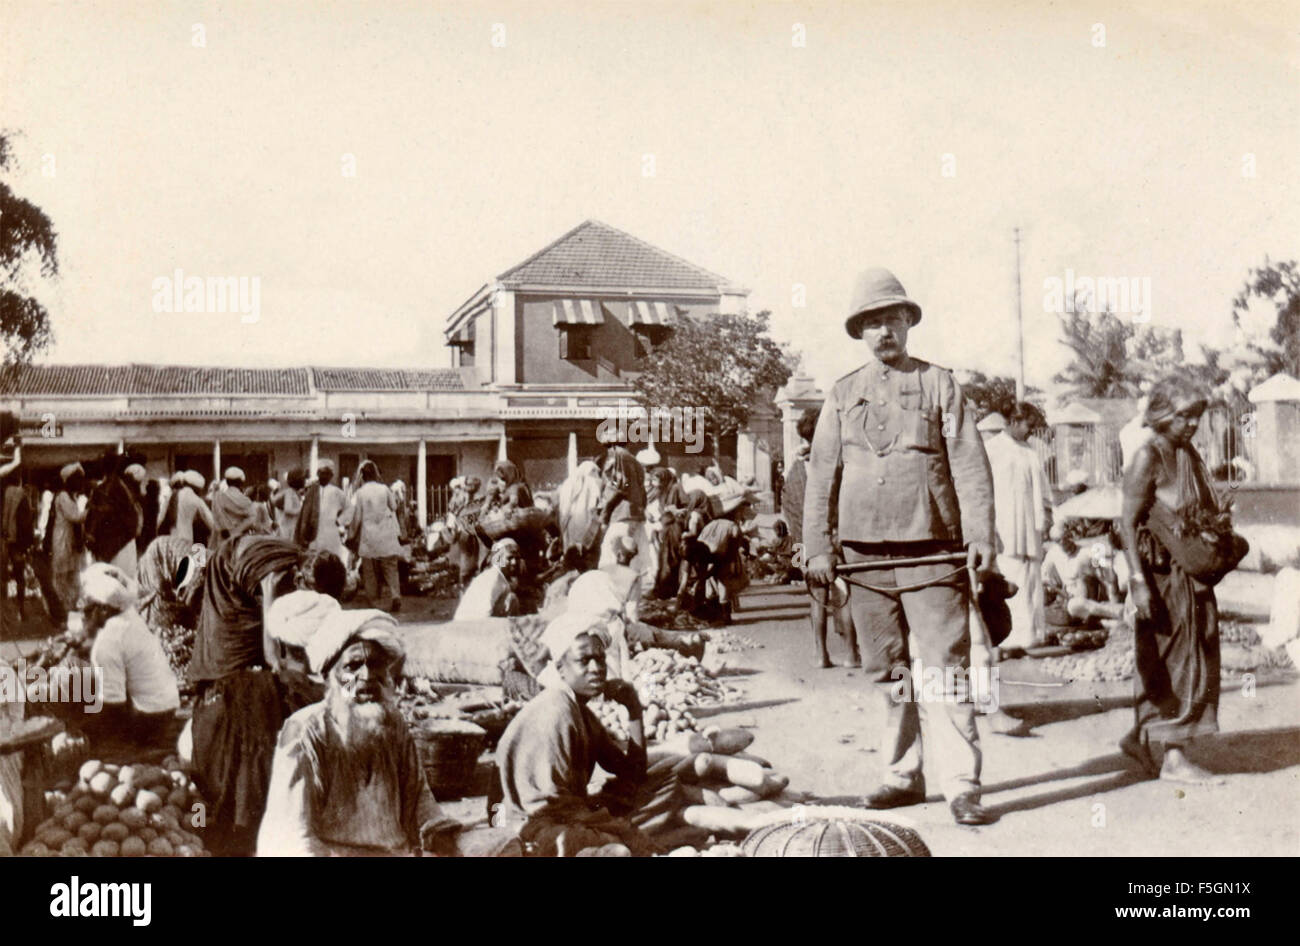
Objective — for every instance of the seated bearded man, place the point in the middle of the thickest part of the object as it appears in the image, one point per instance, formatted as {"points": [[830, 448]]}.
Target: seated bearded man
{"points": [[346, 780], [549, 752]]}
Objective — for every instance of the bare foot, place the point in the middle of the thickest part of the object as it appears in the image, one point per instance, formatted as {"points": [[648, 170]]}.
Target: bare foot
{"points": [[1133, 749], [1007, 725], [1178, 768]]}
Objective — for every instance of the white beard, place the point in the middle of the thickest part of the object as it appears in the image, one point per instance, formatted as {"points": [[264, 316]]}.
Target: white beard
{"points": [[362, 725]]}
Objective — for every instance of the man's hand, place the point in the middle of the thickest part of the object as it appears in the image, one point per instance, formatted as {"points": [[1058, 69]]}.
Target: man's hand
{"points": [[620, 691], [1141, 595], [980, 555], [820, 569]]}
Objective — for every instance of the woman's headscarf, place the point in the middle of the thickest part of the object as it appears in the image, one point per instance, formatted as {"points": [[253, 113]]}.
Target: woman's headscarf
{"points": [[499, 549], [579, 504], [1168, 393], [507, 472]]}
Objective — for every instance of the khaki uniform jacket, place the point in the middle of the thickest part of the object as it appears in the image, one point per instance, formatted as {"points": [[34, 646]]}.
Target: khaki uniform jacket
{"points": [[906, 457]]}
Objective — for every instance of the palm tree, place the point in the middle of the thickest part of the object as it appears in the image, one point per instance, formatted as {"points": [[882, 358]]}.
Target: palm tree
{"points": [[1101, 366]]}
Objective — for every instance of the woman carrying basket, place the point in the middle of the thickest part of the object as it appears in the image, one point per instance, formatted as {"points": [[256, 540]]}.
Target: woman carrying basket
{"points": [[1169, 503]]}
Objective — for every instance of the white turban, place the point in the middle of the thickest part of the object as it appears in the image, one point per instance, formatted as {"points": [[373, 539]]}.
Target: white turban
{"points": [[499, 549], [560, 635], [102, 583], [341, 628], [234, 473], [592, 594], [70, 470], [296, 617], [136, 472], [194, 479], [177, 478]]}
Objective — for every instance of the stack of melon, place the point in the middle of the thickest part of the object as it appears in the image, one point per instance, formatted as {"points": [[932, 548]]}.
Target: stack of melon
{"points": [[120, 811]]}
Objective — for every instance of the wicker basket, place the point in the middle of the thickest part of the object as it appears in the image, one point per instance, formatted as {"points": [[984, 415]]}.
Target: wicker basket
{"points": [[449, 751], [808, 832], [497, 525]]}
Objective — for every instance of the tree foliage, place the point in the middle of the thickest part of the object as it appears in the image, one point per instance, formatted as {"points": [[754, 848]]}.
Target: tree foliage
{"points": [[1278, 283], [1113, 357], [726, 364], [989, 393], [27, 241]]}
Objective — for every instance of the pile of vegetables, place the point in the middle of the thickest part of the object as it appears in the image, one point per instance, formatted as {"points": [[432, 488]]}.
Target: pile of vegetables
{"points": [[415, 698], [54, 650], [1114, 661], [668, 684], [666, 615], [120, 811], [730, 788], [726, 642], [435, 578], [178, 645], [1240, 651]]}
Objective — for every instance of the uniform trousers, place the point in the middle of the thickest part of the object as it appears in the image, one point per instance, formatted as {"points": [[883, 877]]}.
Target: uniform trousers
{"points": [[936, 619]]}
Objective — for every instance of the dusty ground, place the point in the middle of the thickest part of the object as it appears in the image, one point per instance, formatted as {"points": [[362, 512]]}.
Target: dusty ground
{"points": [[1064, 791]]}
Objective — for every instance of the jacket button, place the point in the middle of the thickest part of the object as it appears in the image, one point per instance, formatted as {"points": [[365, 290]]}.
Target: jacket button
{"points": [[880, 427], [881, 481]]}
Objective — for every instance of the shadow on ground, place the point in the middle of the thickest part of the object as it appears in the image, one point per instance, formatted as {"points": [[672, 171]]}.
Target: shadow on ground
{"points": [[700, 712]]}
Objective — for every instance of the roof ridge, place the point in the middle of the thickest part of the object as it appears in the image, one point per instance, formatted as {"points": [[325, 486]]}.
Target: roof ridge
{"points": [[722, 280], [554, 243]]}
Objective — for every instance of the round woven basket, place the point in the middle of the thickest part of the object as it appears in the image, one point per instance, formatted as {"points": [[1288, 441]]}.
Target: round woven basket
{"points": [[830, 832], [449, 751]]}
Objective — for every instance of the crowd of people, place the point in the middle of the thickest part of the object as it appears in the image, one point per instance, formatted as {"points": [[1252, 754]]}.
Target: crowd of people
{"points": [[894, 479], [109, 510], [680, 537]]}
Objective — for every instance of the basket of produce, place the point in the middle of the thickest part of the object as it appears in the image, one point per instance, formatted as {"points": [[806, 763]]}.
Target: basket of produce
{"points": [[498, 524], [120, 811], [493, 719], [811, 831], [449, 751]]}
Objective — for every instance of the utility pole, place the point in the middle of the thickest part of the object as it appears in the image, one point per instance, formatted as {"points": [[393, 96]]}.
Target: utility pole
{"points": [[1020, 328]]}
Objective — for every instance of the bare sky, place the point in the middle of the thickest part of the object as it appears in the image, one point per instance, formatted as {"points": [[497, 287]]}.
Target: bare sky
{"points": [[775, 164]]}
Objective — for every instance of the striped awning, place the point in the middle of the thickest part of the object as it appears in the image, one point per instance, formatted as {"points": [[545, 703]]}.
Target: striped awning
{"points": [[652, 313], [578, 312]]}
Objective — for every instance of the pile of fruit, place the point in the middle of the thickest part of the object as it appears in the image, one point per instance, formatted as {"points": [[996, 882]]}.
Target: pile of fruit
{"points": [[1240, 633], [726, 642], [666, 615], [435, 578], [668, 684], [1083, 637], [120, 811], [720, 849], [54, 650], [1114, 661], [416, 697], [178, 645]]}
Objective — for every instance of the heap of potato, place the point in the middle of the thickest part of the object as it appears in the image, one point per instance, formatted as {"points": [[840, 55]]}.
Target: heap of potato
{"points": [[1112, 662], [120, 811], [669, 684]]}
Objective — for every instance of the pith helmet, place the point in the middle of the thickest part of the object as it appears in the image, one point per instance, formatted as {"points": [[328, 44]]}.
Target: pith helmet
{"points": [[876, 289]]}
